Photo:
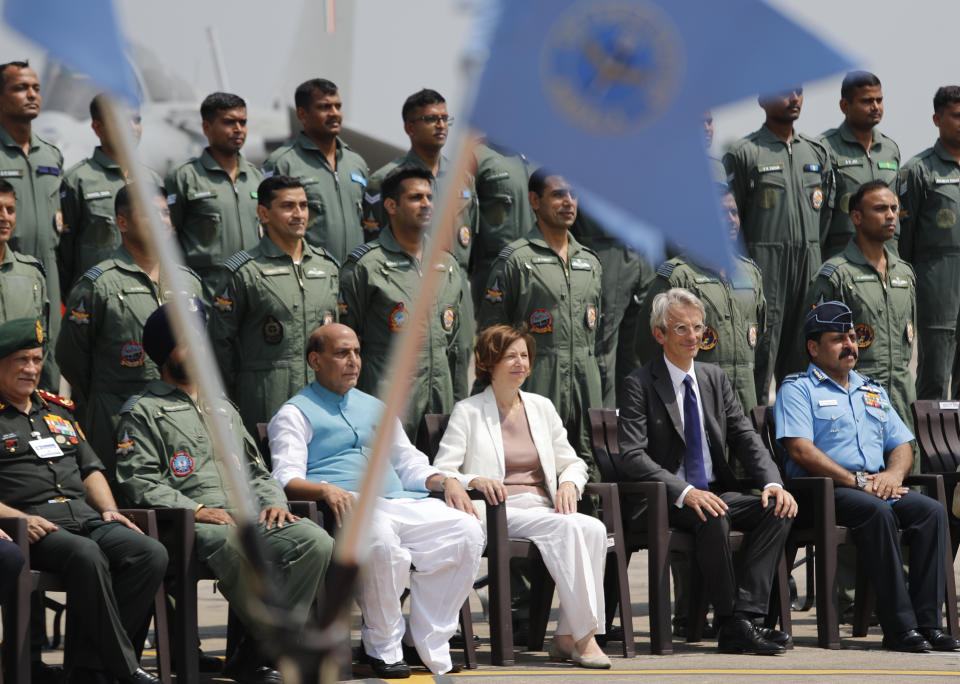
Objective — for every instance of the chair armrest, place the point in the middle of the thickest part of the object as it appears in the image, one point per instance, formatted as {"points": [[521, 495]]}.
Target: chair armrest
{"points": [[145, 519], [17, 529], [932, 484], [306, 509], [609, 494]]}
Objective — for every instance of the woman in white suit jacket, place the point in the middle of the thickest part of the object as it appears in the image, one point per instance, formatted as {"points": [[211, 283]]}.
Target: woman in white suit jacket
{"points": [[512, 446]]}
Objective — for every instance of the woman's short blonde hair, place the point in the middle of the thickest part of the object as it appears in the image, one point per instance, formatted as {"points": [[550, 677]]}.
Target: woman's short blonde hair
{"points": [[493, 342]]}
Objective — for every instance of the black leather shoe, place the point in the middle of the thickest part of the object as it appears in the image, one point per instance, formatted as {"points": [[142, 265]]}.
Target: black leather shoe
{"points": [[399, 670], [140, 676], [613, 634], [775, 635], [411, 656], [247, 671], [739, 635], [940, 640], [910, 641]]}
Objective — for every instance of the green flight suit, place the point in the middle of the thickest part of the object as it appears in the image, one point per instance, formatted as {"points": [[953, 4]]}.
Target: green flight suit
{"points": [[561, 303], [23, 289], [735, 319], [504, 212], [626, 277], [213, 216], [376, 218], [884, 315], [111, 572], [930, 241], [261, 318], [852, 167], [335, 197], [784, 193], [165, 460], [717, 172], [36, 182], [87, 195], [100, 346], [378, 284]]}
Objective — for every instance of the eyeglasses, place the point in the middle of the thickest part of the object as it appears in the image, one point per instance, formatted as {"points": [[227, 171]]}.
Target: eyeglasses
{"points": [[682, 329], [432, 119]]}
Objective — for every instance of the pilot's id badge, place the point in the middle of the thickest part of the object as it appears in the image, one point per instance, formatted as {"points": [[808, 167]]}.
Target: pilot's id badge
{"points": [[46, 448]]}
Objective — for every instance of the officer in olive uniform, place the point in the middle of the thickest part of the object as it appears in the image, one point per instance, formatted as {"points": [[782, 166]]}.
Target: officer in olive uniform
{"points": [[930, 241], [23, 287], [858, 153], [551, 283], [333, 175], [783, 185], [87, 196], [504, 212], [717, 172], [275, 295], [166, 460], [735, 312], [380, 281], [880, 289], [33, 167], [100, 347], [426, 123], [213, 197], [626, 277], [50, 476]]}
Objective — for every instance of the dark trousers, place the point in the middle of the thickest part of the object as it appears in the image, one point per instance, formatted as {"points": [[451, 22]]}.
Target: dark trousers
{"points": [[111, 574], [875, 524], [746, 586]]}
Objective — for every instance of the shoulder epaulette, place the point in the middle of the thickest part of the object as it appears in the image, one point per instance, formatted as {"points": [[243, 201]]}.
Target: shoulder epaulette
{"points": [[359, 251], [506, 252], [793, 377], [666, 269], [93, 273], [748, 260], [130, 403], [32, 260], [78, 165], [237, 260], [56, 398], [827, 269], [192, 272]]}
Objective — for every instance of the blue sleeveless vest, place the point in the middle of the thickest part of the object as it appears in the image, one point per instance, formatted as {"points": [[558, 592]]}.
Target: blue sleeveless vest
{"points": [[343, 432]]}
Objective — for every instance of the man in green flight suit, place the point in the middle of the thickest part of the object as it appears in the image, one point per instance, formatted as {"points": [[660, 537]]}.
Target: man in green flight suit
{"points": [[87, 196], [858, 153], [735, 311], [626, 276], [23, 287], [333, 175], [272, 298], [504, 212], [51, 477], [551, 283], [783, 186], [34, 168], [426, 122], [166, 460], [381, 280], [880, 289], [930, 241], [213, 197], [100, 347]]}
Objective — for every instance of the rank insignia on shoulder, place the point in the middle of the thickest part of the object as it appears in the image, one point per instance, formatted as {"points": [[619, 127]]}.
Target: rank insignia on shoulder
{"points": [[125, 445], [371, 199], [793, 377], [80, 315], [666, 269], [494, 293], [398, 317], [864, 335], [93, 273], [819, 374], [359, 251], [827, 269], [55, 398], [237, 260], [171, 199], [181, 464], [223, 301]]}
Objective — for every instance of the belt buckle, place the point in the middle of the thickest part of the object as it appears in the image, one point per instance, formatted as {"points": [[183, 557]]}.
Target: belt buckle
{"points": [[58, 499]]}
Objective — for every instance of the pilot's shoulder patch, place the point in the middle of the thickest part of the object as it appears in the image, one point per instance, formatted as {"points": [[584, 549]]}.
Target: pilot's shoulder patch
{"points": [[666, 269], [237, 260], [131, 402]]}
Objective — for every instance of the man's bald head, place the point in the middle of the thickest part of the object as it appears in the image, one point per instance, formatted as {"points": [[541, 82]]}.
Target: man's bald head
{"points": [[333, 353]]}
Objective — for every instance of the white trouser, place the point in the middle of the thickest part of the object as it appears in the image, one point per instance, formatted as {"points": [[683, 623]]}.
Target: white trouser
{"points": [[574, 549], [444, 546]]}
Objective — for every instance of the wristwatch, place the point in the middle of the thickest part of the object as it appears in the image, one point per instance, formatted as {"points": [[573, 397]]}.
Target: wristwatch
{"points": [[861, 476]]}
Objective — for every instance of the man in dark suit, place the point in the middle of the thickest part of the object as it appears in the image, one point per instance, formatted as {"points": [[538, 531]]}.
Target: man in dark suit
{"points": [[675, 423]]}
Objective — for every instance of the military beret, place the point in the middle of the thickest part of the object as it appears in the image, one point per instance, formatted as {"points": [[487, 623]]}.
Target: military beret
{"points": [[20, 333], [158, 338], [828, 317]]}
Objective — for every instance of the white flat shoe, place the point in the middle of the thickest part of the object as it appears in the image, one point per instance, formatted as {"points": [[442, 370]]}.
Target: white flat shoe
{"points": [[600, 662]]}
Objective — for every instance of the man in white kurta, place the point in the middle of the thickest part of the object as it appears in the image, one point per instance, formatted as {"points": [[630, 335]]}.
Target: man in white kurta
{"points": [[319, 442]]}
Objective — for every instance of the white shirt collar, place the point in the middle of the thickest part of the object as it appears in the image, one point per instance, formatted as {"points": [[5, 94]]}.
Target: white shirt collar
{"points": [[677, 375]]}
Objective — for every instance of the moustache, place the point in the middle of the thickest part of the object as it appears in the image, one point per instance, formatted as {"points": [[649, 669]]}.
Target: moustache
{"points": [[848, 352]]}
